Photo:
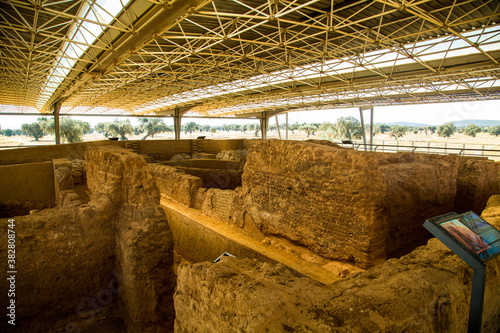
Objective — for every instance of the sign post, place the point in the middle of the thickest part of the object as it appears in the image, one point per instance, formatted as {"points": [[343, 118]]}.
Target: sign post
{"points": [[475, 241]]}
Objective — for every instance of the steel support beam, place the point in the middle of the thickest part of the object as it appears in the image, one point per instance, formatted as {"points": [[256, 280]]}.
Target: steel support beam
{"points": [[278, 126], [286, 127], [177, 124], [371, 128], [57, 132], [152, 24], [362, 126], [361, 109], [264, 124]]}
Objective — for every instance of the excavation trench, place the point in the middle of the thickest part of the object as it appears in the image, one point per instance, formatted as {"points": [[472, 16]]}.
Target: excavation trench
{"points": [[199, 238], [300, 217]]}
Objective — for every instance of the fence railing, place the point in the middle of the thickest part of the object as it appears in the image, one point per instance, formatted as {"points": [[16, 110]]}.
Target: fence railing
{"points": [[485, 150], [429, 148]]}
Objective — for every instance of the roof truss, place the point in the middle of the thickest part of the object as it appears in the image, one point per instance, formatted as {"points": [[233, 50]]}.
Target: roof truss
{"points": [[233, 57]]}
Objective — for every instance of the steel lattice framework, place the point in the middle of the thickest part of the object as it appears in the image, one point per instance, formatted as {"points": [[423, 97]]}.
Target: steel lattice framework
{"points": [[241, 58]]}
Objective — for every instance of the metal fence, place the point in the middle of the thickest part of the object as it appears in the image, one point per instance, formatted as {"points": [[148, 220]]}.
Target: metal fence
{"points": [[442, 148]]}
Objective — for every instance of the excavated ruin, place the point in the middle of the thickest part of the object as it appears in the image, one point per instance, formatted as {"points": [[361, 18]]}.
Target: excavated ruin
{"points": [[121, 236]]}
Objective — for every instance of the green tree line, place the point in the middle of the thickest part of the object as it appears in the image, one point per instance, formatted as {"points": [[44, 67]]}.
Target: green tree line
{"points": [[345, 128], [71, 130]]}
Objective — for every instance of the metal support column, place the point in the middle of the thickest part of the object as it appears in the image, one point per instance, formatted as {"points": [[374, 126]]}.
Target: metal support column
{"points": [[264, 122], [57, 132], [278, 126], [477, 300], [371, 128], [286, 127], [362, 126], [361, 109], [177, 124]]}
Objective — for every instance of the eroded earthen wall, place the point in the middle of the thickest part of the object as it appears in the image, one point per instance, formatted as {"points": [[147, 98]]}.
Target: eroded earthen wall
{"points": [[492, 211], [121, 181], [25, 187], [163, 150], [419, 186], [341, 203], [176, 184], [216, 146], [478, 179], [63, 257], [216, 178], [425, 291], [48, 153], [110, 258]]}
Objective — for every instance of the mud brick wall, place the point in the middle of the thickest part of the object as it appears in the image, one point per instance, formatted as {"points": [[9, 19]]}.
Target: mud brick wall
{"points": [[239, 156], [419, 186], [425, 291], [64, 256], [164, 150], [216, 178], [492, 211], [216, 146], [325, 198], [176, 184], [72, 257], [144, 247], [48, 153], [218, 203], [478, 179], [64, 183], [340, 203], [25, 187]]}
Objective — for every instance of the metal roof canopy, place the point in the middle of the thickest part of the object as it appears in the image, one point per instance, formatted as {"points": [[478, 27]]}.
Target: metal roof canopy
{"points": [[239, 58]]}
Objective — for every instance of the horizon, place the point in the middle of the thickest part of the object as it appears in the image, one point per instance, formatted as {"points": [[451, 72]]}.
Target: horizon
{"points": [[425, 114]]}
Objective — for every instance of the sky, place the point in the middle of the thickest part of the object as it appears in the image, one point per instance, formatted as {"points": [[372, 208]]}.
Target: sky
{"points": [[431, 114]]}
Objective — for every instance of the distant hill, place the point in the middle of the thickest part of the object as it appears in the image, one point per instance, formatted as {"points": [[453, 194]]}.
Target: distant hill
{"points": [[458, 123], [406, 123], [477, 122]]}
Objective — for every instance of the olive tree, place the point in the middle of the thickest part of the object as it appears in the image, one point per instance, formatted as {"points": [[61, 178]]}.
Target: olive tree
{"points": [[153, 126], [471, 130], [494, 130], [446, 130], [34, 130]]}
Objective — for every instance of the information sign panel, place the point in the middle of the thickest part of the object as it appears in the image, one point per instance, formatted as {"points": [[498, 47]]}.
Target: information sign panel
{"points": [[475, 241], [474, 234]]}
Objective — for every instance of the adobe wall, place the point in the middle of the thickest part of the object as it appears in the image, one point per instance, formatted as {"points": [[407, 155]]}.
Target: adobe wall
{"points": [[30, 182], [425, 291], [419, 186], [64, 256], [216, 178], [160, 150], [197, 242], [341, 203], [110, 258], [478, 179], [176, 184], [164, 150], [47, 153], [216, 146], [492, 211], [120, 180]]}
